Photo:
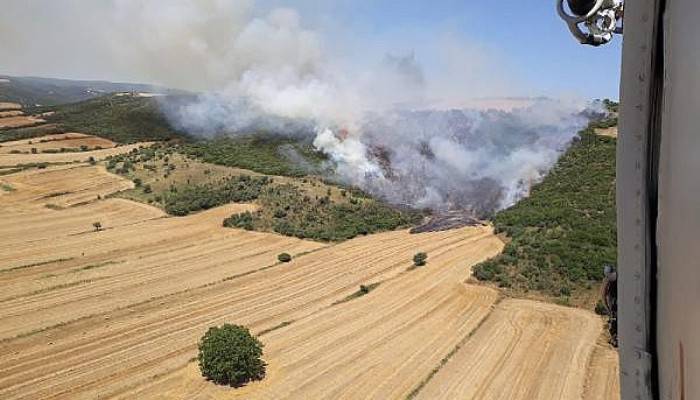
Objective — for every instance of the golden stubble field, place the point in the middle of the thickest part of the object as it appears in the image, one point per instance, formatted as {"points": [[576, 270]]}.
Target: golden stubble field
{"points": [[117, 313]]}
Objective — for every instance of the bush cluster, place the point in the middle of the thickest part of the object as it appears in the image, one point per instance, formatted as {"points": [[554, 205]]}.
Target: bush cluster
{"points": [[233, 189], [230, 355], [287, 211]]}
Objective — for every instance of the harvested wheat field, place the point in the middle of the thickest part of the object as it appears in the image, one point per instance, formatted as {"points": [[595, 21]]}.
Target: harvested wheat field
{"points": [[59, 186], [6, 106], [67, 157], [117, 312], [524, 350], [5, 114], [19, 121], [56, 143]]}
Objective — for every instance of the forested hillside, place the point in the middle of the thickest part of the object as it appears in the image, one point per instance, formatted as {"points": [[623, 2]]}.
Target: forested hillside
{"points": [[565, 231]]}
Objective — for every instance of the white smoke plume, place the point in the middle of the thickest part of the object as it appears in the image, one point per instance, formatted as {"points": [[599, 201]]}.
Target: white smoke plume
{"points": [[399, 121], [455, 159]]}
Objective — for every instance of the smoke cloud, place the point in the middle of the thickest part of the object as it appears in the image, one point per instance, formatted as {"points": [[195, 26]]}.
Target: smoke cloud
{"points": [[398, 119], [480, 161]]}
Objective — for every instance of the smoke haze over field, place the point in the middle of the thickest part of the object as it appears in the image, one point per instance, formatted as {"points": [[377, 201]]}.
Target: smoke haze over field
{"points": [[390, 114]]}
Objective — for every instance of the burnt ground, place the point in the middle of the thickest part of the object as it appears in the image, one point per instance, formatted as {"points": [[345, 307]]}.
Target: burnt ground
{"points": [[446, 220]]}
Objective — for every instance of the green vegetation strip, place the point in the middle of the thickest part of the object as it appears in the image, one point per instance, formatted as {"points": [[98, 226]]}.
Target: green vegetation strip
{"points": [[11, 135], [565, 231], [58, 260], [49, 289], [98, 265], [9, 171]]}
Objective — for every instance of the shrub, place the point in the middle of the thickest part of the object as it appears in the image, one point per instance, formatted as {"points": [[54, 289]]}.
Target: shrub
{"points": [[600, 308], [147, 188], [284, 257], [420, 259], [97, 225], [230, 355], [242, 221]]}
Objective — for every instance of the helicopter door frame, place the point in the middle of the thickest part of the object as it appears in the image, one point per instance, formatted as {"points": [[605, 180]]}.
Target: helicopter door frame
{"points": [[641, 90]]}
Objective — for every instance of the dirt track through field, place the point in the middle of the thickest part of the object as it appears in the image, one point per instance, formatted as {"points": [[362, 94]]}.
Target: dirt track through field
{"points": [[118, 312]]}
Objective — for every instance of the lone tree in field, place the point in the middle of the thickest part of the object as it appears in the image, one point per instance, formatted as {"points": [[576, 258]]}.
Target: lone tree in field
{"points": [[420, 259], [97, 225], [284, 257], [230, 355]]}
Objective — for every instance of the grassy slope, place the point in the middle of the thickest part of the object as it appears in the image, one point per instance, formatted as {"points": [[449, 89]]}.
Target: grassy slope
{"points": [[562, 234]]}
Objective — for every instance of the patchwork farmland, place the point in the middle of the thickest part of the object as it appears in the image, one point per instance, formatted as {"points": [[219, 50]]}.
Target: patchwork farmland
{"points": [[105, 297]]}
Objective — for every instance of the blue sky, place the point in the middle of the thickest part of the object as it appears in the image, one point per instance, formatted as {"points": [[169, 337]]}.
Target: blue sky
{"points": [[465, 49], [527, 36]]}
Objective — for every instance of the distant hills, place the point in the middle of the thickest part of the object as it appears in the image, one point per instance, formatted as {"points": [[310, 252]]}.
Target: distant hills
{"points": [[33, 91]]}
